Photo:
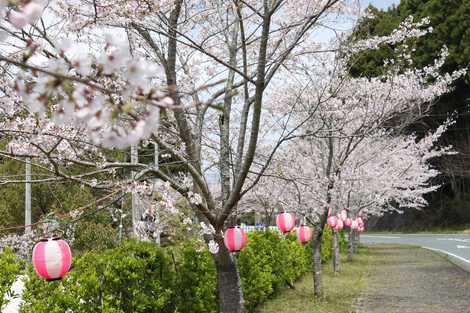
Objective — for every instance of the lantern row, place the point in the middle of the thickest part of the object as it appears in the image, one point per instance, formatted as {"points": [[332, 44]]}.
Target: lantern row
{"points": [[235, 238], [52, 257]]}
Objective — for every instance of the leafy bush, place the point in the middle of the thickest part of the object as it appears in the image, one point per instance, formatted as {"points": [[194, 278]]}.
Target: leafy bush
{"points": [[9, 269], [140, 277], [268, 263], [326, 243], [195, 283], [343, 243], [256, 270], [135, 277]]}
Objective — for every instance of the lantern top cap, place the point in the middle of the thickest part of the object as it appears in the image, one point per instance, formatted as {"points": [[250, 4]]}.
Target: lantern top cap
{"points": [[45, 239]]}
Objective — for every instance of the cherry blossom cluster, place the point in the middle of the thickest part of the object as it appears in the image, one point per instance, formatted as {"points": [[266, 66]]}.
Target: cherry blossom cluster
{"points": [[22, 244], [24, 15], [44, 139], [84, 15], [384, 173], [110, 97], [345, 156], [209, 230], [389, 173], [406, 30]]}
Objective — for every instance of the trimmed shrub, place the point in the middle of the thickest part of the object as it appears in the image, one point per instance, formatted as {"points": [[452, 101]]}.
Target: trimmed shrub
{"points": [[140, 277], [326, 244], [268, 263], [256, 269], [343, 242], [195, 281], [132, 278]]}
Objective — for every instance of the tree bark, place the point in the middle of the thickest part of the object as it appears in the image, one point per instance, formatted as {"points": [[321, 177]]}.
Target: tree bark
{"points": [[350, 245], [228, 280], [316, 258], [355, 241], [336, 253]]}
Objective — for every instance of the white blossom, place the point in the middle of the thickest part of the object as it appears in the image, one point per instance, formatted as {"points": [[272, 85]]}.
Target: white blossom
{"points": [[213, 247]]}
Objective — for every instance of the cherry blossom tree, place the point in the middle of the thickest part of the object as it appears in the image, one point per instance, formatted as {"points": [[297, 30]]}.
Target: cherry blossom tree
{"points": [[385, 172], [352, 116], [189, 76], [218, 86]]}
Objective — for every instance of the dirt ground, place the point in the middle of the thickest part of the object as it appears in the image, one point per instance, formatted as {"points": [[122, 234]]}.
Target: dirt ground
{"points": [[413, 280]]}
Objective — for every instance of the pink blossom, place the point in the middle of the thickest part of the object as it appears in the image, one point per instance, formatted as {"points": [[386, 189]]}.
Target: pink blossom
{"points": [[18, 19], [33, 11]]}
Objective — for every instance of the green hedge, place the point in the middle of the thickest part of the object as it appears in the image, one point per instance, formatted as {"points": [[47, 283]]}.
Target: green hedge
{"points": [[195, 288], [268, 263], [327, 237], [141, 277], [10, 267], [136, 277]]}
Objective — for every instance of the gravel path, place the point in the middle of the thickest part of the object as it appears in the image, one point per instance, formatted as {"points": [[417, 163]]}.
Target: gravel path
{"points": [[414, 280]]}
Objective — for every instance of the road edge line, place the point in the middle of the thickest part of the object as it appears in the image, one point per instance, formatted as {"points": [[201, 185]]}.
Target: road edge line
{"points": [[448, 253]]}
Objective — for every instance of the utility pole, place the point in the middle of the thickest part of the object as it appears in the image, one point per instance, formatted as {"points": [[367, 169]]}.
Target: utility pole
{"points": [[136, 214], [157, 212], [27, 200]]}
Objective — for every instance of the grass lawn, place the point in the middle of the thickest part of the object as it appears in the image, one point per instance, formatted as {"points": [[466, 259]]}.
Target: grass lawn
{"points": [[340, 292]]}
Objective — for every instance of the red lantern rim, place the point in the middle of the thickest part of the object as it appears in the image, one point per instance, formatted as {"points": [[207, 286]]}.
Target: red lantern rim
{"points": [[55, 279], [230, 227]]}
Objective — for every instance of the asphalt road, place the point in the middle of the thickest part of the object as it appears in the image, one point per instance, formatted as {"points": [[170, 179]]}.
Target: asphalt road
{"points": [[456, 247]]}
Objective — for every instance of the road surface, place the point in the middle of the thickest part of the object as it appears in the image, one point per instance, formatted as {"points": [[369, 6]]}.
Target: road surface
{"points": [[412, 280], [457, 246]]}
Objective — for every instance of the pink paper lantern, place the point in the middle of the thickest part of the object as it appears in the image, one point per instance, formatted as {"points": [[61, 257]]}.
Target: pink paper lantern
{"points": [[339, 225], [332, 221], [235, 239], [52, 258], [348, 222], [354, 225], [360, 222], [343, 214], [304, 234], [285, 222]]}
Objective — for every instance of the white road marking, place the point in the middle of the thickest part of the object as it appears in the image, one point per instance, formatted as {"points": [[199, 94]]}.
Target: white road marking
{"points": [[385, 237], [448, 253], [453, 239], [462, 247]]}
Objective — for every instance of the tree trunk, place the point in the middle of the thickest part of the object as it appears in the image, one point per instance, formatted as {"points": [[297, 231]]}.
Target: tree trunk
{"points": [[355, 240], [228, 281], [350, 245], [335, 253], [316, 258]]}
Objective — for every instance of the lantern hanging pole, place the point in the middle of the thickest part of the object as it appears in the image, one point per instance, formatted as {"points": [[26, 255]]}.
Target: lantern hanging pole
{"points": [[27, 206]]}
